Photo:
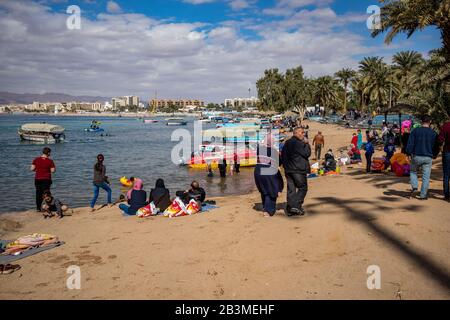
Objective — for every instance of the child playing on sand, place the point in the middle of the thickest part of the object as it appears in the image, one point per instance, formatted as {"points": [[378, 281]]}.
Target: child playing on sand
{"points": [[51, 204]]}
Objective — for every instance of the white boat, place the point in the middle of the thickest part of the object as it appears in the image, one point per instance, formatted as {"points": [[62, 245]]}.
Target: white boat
{"points": [[42, 132], [177, 123]]}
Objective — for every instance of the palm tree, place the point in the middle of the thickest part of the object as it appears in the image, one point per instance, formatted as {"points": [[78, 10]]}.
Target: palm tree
{"points": [[345, 76], [326, 91], [406, 67], [399, 16], [378, 81]]}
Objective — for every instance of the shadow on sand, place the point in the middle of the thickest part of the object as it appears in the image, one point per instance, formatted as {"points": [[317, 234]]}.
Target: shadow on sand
{"points": [[425, 263]]}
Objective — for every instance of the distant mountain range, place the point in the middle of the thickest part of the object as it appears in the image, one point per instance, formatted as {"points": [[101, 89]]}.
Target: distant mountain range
{"points": [[27, 98]]}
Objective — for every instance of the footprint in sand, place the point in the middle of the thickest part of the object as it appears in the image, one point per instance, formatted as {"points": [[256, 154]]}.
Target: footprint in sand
{"points": [[58, 259]]}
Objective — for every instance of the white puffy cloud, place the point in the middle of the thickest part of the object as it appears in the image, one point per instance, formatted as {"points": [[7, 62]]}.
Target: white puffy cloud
{"points": [[287, 7], [121, 53], [113, 7]]}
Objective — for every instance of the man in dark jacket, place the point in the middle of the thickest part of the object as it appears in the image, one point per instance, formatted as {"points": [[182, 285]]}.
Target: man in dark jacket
{"points": [[444, 139], [421, 149], [295, 158]]}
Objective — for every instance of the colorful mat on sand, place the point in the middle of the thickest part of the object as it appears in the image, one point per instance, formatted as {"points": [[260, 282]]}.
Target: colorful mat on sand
{"points": [[5, 259]]}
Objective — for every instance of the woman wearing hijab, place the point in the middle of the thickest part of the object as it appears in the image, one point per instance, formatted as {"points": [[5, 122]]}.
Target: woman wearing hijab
{"points": [[268, 178], [360, 139], [100, 181], [160, 196], [136, 198]]}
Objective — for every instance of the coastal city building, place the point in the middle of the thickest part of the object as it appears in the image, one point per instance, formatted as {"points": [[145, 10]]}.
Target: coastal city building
{"points": [[125, 102], [251, 102], [186, 104]]}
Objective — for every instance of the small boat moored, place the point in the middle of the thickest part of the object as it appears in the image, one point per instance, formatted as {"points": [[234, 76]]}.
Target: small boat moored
{"points": [[42, 133]]}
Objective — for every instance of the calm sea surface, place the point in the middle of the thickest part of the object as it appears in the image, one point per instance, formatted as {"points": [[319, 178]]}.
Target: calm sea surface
{"points": [[132, 149]]}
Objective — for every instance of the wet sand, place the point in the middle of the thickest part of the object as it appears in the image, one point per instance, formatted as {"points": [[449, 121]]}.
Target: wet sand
{"points": [[354, 221]]}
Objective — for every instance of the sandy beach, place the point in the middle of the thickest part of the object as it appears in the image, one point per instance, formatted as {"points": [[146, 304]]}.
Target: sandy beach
{"points": [[354, 221]]}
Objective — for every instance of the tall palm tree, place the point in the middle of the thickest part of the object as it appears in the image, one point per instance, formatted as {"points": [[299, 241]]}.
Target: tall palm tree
{"points": [[345, 76], [406, 66], [408, 16], [378, 81], [326, 91]]}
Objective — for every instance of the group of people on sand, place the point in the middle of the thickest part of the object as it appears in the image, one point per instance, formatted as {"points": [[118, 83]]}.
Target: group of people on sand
{"points": [[46, 203], [294, 158], [419, 142], [136, 197]]}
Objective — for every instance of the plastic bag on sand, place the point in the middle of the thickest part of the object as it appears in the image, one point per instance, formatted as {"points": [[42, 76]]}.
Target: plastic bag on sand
{"points": [[147, 211], [179, 209], [193, 207], [176, 209], [315, 166]]}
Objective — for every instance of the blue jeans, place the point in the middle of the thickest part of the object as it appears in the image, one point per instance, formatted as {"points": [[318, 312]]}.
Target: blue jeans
{"points": [[425, 163], [125, 208], [446, 167], [105, 187]]}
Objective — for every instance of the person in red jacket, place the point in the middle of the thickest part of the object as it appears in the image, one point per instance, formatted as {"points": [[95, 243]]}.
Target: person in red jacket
{"points": [[43, 167], [444, 138]]}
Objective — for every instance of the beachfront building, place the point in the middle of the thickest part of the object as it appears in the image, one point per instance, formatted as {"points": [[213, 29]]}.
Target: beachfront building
{"points": [[251, 102], [179, 104], [125, 102]]}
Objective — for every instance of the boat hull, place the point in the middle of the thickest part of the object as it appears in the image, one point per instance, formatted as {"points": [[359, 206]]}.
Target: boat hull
{"points": [[251, 162], [40, 139]]}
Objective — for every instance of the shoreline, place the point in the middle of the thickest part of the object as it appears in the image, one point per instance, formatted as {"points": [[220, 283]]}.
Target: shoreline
{"points": [[354, 221]]}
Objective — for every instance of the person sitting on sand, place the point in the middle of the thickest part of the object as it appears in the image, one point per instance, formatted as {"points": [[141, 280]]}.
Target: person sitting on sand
{"points": [[137, 198], [160, 196], [51, 204], [195, 192], [354, 154], [330, 163]]}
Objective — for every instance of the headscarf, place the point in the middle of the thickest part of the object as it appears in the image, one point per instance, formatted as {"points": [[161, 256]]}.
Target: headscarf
{"points": [[137, 185], [160, 184]]}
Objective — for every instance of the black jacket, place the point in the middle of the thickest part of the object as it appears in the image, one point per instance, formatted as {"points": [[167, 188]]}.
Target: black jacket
{"points": [[295, 156]]}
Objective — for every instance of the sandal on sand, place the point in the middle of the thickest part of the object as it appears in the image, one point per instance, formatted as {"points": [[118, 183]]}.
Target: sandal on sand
{"points": [[8, 268]]}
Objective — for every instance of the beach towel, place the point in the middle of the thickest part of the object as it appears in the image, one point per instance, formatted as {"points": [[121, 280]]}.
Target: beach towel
{"points": [[8, 258]]}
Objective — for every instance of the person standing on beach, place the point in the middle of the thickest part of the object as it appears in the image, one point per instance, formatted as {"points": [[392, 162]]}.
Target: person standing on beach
{"points": [[268, 178], [223, 168], [295, 159], [421, 150], [100, 181], [360, 139], [370, 150], [444, 138], [318, 144], [43, 167]]}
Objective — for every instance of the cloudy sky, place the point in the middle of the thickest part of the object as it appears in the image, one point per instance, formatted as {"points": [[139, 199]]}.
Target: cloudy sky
{"points": [[205, 49]]}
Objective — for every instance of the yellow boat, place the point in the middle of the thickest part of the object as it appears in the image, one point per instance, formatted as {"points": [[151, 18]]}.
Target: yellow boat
{"points": [[250, 162]]}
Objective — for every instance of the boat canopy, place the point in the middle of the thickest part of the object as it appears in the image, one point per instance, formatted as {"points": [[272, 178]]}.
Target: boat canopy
{"points": [[42, 127]]}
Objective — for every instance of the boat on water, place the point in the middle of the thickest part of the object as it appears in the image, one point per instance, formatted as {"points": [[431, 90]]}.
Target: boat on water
{"points": [[94, 130], [150, 121], [176, 123], [212, 154], [42, 133]]}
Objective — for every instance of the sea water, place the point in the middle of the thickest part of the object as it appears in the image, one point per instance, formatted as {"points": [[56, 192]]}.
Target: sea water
{"points": [[130, 147]]}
